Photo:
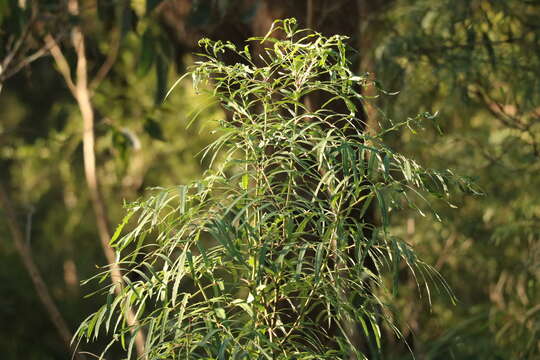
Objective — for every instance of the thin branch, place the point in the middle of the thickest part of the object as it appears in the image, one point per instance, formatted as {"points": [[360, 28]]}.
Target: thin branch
{"points": [[20, 41], [109, 61], [498, 112], [61, 62], [23, 63], [39, 284]]}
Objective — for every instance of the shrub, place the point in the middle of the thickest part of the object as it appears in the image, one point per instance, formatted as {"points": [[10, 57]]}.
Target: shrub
{"points": [[272, 254]]}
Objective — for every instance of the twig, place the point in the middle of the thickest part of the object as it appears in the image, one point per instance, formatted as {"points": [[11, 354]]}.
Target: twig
{"points": [[20, 41], [109, 61]]}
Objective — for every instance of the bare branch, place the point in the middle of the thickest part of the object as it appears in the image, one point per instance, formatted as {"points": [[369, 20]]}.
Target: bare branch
{"points": [[18, 44], [109, 61], [61, 62], [23, 63]]}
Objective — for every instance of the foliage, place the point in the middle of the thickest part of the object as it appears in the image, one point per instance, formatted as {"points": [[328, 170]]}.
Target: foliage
{"points": [[474, 62], [269, 255], [477, 63], [40, 157]]}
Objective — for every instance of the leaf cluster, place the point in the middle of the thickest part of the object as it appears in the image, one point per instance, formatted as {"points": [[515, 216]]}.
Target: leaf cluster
{"points": [[275, 254]]}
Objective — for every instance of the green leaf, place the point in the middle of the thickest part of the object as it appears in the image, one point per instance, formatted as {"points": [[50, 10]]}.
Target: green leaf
{"points": [[407, 170], [162, 69], [220, 313], [147, 54], [182, 190], [245, 181], [119, 228], [318, 260], [246, 308], [92, 324], [153, 129], [382, 207], [223, 348]]}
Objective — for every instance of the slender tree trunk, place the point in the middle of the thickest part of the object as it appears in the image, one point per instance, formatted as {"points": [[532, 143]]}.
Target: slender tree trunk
{"points": [[41, 288], [98, 205], [80, 89]]}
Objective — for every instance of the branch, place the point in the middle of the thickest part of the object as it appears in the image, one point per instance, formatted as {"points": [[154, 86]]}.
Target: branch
{"points": [[61, 62], [22, 63], [498, 111], [39, 284], [109, 61], [11, 55]]}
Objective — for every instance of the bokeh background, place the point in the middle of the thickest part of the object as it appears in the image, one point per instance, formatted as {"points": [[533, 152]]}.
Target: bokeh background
{"points": [[475, 63]]}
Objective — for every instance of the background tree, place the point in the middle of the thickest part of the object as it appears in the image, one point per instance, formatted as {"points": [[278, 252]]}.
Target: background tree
{"points": [[477, 64]]}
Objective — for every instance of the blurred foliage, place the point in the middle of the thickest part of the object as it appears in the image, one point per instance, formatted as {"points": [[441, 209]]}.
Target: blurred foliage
{"points": [[475, 62], [139, 144], [478, 64]]}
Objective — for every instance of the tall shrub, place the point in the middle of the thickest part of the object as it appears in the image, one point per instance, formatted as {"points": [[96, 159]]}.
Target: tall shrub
{"points": [[270, 255]]}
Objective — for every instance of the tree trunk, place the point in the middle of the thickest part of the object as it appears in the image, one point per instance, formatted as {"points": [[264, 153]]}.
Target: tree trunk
{"points": [[80, 89]]}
